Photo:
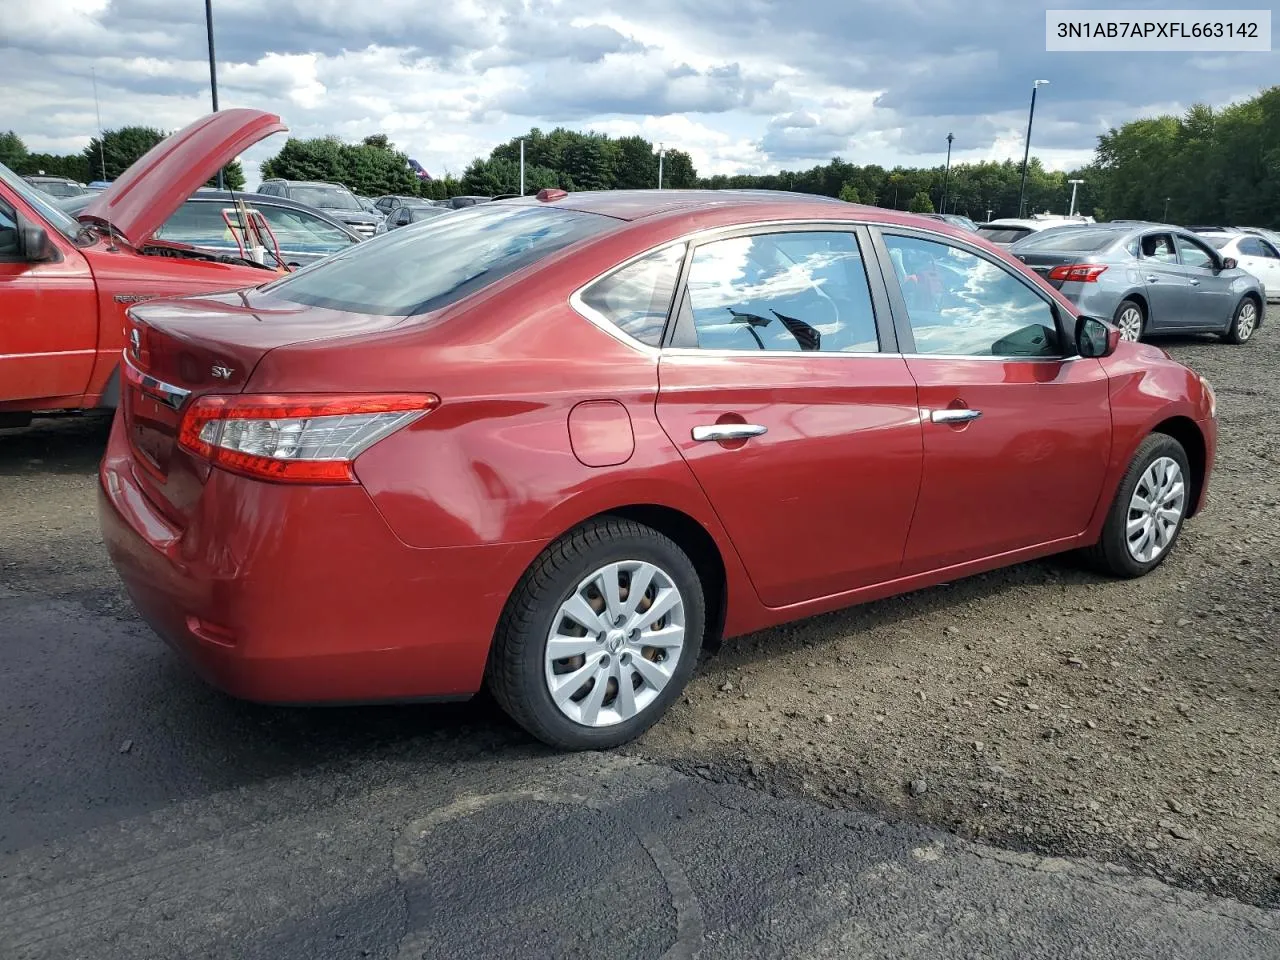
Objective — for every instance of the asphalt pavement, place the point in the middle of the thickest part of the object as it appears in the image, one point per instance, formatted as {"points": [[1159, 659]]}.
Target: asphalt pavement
{"points": [[144, 815]]}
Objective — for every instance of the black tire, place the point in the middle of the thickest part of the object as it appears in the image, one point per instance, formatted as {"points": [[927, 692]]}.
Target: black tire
{"points": [[1236, 333], [515, 670], [1124, 307], [1111, 553]]}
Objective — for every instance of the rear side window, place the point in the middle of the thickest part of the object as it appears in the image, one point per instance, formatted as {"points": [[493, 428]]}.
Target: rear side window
{"points": [[637, 297], [408, 272]]}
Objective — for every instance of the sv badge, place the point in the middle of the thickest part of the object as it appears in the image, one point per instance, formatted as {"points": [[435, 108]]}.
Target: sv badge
{"points": [[222, 373]]}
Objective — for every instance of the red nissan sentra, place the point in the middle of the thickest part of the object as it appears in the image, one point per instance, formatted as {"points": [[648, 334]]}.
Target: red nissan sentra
{"points": [[553, 444]]}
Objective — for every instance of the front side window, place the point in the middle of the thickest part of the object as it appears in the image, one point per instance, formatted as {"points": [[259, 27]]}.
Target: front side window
{"points": [[1159, 246], [199, 223], [43, 204], [409, 272], [301, 232], [1257, 247], [1195, 255], [8, 233], [960, 304], [637, 297], [790, 292]]}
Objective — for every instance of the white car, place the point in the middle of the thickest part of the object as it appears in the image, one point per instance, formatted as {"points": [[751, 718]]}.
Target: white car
{"points": [[1009, 230], [1254, 253]]}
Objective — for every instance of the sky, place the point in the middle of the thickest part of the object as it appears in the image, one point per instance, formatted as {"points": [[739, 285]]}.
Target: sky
{"points": [[745, 86]]}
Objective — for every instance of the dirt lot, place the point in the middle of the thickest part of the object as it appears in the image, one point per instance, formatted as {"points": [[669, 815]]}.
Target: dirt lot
{"points": [[1040, 708]]}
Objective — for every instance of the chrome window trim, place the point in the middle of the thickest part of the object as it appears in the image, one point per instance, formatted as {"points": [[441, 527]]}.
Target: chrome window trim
{"points": [[710, 234]]}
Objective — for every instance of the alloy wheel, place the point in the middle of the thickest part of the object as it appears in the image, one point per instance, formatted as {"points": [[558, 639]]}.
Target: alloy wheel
{"points": [[1155, 510], [1247, 321], [614, 643], [1130, 323]]}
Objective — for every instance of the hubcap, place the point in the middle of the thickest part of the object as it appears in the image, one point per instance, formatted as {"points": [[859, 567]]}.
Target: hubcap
{"points": [[1155, 510], [1248, 319], [614, 643], [1130, 323]]}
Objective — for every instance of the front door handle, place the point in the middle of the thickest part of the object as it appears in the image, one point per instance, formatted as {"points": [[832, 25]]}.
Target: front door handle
{"points": [[952, 415], [1194, 283], [729, 431], [1153, 279]]}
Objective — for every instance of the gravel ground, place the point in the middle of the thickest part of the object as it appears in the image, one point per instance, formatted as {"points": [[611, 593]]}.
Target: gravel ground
{"points": [[1042, 707], [1039, 708]]}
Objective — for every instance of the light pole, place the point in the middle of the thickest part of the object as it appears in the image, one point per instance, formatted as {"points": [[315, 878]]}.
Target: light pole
{"points": [[1075, 185], [522, 166], [661, 150], [1165, 217], [213, 69], [1026, 156], [946, 177]]}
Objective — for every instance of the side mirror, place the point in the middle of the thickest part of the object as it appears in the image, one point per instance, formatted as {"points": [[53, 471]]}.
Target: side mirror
{"points": [[34, 243], [1230, 263], [1096, 338]]}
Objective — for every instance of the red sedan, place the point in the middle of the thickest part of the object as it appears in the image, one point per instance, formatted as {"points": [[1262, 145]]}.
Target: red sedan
{"points": [[552, 444]]}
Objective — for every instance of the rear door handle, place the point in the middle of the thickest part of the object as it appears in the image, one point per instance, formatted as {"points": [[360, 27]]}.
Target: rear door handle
{"points": [[1194, 283], [729, 431], [954, 416], [1153, 279]]}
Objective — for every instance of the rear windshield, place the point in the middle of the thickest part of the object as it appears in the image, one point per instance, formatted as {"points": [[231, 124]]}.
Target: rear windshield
{"points": [[1065, 238], [1216, 242], [1003, 234], [436, 263], [327, 198]]}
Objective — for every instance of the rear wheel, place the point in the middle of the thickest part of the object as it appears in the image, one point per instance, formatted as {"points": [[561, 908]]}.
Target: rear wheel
{"points": [[1244, 323], [600, 636], [1147, 514], [1130, 319]]}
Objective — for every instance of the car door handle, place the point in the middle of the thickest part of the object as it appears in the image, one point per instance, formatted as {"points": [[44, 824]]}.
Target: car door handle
{"points": [[952, 415], [1153, 279], [1194, 283], [729, 431]]}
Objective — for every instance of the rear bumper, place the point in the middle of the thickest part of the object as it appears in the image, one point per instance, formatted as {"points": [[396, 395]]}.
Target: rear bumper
{"points": [[284, 594], [1209, 429]]}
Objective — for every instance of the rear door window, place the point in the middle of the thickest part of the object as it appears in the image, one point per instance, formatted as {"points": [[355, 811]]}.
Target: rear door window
{"points": [[409, 272]]}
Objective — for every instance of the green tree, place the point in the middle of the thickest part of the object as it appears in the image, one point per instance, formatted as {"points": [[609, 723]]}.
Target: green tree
{"points": [[117, 150], [366, 168], [12, 150], [678, 172], [920, 203], [637, 166], [849, 193]]}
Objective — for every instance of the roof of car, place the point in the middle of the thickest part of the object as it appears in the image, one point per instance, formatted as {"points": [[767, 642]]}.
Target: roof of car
{"points": [[637, 204]]}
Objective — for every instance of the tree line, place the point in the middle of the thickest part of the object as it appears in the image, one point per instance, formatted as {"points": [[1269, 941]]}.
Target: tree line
{"points": [[1207, 166]]}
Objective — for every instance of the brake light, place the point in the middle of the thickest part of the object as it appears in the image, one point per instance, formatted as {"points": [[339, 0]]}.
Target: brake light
{"points": [[1078, 272], [295, 438]]}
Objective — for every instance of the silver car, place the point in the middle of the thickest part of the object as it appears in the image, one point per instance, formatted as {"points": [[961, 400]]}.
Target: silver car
{"points": [[1147, 278]]}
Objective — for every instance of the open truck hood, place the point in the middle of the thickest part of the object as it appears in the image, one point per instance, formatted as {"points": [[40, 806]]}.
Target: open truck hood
{"points": [[142, 198]]}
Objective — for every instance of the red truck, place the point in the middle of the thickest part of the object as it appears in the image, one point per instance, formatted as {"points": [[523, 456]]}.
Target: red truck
{"points": [[66, 282]]}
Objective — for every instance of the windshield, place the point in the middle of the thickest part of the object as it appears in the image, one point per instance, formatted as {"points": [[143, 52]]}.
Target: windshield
{"points": [[42, 203], [1066, 238], [428, 266], [327, 198], [1003, 234]]}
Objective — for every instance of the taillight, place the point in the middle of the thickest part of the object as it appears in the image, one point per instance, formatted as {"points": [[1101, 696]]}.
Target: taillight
{"points": [[1078, 272], [297, 438]]}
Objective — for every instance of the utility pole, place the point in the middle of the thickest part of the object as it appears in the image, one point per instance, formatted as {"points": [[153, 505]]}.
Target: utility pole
{"points": [[1026, 156], [522, 166], [946, 177], [213, 70], [1075, 185], [661, 150]]}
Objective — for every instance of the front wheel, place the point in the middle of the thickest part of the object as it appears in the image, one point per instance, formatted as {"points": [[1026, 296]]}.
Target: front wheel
{"points": [[599, 637], [1244, 323], [1147, 514]]}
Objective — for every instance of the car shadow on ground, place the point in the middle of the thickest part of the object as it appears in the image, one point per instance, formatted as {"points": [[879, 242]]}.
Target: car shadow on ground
{"points": [[59, 445]]}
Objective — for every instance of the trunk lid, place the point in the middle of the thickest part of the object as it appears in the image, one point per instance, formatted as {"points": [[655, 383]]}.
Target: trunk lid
{"points": [[178, 350], [1043, 263], [147, 194]]}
